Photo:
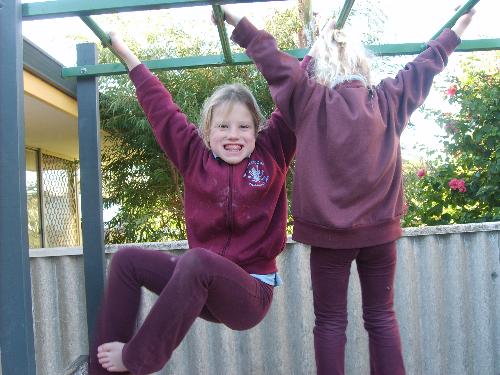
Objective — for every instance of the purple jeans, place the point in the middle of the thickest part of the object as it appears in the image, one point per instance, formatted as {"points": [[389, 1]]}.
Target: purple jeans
{"points": [[198, 283], [330, 270]]}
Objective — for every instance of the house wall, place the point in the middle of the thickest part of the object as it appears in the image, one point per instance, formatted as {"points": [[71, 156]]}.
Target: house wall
{"points": [[447, 302], [47, 93]]}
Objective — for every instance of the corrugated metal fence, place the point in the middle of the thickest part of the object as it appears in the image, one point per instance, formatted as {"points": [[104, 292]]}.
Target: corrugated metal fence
{"points": [[447, 301]]}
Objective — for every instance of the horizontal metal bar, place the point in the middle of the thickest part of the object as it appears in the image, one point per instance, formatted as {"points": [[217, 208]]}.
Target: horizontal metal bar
{"points": [[479, 45], [77, 8], [164, 64], [344, 13], [464, 9], [416, 48], [241, 58], [397, 49], [167, 64]]}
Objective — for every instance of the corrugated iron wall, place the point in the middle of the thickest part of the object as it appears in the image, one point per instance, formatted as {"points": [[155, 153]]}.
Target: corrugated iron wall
{"points": [[447, 301]]}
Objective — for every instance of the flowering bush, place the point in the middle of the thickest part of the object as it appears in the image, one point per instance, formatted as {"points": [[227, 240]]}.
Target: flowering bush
{"points": [[452, 90], [456, 184], [463, 184], [421, 172]]}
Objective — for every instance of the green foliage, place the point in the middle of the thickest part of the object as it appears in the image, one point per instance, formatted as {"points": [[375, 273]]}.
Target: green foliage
{"points": [[137, 177], [285, 26], [472, 145]]}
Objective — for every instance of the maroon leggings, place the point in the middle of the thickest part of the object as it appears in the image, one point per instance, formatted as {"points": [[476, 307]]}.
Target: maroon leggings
{"points": [[330, 270], [198, 283]]}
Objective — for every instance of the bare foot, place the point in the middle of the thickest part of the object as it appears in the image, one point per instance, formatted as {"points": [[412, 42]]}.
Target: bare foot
{"points": [[110, 356]]}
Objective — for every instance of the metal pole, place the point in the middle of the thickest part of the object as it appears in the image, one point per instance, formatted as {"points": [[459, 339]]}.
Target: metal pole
{"points": [[103, 37], [16, 319], [221, 28], [77, 8], [90, 183], [344, 13], [460, 12]]}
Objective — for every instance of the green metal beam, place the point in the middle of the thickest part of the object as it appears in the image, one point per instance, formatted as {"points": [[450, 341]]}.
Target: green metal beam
{"points": [[163, 64], [241, 58], [397, 49], [469, 5], [77, 8], [103, 37], [221, 28], [344, 13], [416, 48], [479, 45]]}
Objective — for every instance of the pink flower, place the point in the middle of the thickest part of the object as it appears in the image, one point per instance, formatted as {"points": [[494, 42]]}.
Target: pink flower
{"points": [[457, 184], [421, 172], [452, 90]]}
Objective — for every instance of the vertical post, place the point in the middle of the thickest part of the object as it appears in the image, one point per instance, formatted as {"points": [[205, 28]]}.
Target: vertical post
{"points": [[16, 319], [90, 183], [221, 28], [344, 13]]}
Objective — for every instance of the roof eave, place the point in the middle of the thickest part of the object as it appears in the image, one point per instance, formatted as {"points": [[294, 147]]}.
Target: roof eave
{"points": [[42, 65]]}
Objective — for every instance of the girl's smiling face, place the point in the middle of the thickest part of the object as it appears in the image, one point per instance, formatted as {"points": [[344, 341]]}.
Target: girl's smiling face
{"points": [[232, 132]]}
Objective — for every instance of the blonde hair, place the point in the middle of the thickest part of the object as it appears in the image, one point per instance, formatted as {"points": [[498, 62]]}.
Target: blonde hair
{"points": [[229, 94], [339, 59]]}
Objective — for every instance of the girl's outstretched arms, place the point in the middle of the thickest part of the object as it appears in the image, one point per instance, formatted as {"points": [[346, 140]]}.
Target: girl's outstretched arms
{"points": [[282, 72], [408, 90], [122, 50], [463, 22], [177, 137], [230, 17]]}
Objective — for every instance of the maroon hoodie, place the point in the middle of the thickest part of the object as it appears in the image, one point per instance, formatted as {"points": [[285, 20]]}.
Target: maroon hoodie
{"points": [[347, 190], [238, 211]]}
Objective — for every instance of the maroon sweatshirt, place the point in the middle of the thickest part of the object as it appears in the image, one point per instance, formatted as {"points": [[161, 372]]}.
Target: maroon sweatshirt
{"points": [[238, 211], [347, 190]]}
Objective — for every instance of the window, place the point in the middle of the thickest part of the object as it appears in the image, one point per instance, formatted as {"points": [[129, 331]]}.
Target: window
{"points": [[51, 186], [33, 199]]}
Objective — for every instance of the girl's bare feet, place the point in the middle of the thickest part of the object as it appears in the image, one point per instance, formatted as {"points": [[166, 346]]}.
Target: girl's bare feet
{"points": [[110, 356]]}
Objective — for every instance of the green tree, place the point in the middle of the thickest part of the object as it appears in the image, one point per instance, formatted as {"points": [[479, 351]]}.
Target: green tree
{"points": [[461, 186]]}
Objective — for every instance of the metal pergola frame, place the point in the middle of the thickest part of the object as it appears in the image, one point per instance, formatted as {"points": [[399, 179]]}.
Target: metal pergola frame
{"points": [[16, 320], [52, 9]]}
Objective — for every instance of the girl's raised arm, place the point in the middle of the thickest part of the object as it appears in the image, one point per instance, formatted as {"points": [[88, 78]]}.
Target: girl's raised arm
{"points": [[122, 50], [286, 79], [177, 137], [408, 90]]}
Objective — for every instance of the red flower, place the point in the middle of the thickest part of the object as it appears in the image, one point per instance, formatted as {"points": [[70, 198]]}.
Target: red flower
{"points": [[452, 90], [421, 172], [457, 184], [451, 128]]}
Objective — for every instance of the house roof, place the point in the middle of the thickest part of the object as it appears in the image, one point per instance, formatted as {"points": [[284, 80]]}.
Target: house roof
{"points": [[39, 63], [50, 108]]}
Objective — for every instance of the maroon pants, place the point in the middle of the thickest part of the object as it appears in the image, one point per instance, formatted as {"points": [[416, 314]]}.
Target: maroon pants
{"points": [[198, 283], [330, 270]]}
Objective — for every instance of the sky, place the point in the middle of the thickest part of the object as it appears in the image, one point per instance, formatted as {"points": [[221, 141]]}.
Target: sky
{"points": [[405, 21]]}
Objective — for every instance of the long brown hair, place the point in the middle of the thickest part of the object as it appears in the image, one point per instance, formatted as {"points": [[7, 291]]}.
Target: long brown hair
{"points": [[227, 95]]}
